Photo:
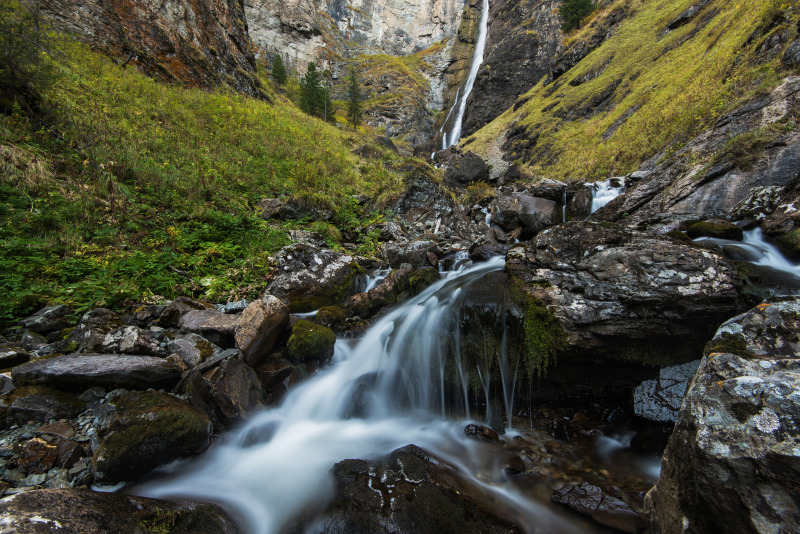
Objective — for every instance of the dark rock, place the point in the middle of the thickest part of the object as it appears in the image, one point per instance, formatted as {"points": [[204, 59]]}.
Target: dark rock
{"points": [[12, 357], [386, 142], [791, 58], [58, 428], [717, 229], [176, 309], [273, 371], [237, 390], [91, 330], [259, 327], [68, 510], [48, 319], [414, 253], [69, 452], [193, 349], [515, 465], [687, 15], [660, 400], [467, 168], [148, 314], [216, 327], [77, 372], [400, 285], [536, 214], [31, 341], [334, 317], [145, 430], [310, 342], [652, 439], [41, 405], [549, 189], [487, 251], [732, 461], [603, 508], [481, 432], [581, 204], [37, 456], [132, 340]]}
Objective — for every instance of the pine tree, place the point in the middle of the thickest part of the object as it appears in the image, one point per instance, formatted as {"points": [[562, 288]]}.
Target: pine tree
{"points": [[278, 70], [312, 94], [354, 97], [573, 11]]}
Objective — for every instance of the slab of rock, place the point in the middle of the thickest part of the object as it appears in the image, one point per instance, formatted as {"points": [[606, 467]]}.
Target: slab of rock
{"points": [[660, 400], [91, 330], [146, 429], [414, 253], [71, 510], [603, 508], [259, 327], [37, 456], [41, 404], [77, 372], [171, 315], [213, 325], [11, 357], [132, 340], [48, 319], [193, 349], [732, 463], [237, 390]]}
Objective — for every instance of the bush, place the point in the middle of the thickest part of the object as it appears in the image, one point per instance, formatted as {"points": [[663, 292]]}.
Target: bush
{"points": [[573, 11]]}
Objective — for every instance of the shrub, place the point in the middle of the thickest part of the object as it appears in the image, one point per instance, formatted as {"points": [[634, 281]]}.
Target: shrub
{"points": [[573, 11]]}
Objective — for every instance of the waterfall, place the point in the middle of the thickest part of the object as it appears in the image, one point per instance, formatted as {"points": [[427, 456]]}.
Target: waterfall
{"points": [[454, 135], [604, 192]]}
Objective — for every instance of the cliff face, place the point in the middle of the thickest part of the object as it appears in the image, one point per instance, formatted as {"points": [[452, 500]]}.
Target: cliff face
{"points": [[197, 42]]}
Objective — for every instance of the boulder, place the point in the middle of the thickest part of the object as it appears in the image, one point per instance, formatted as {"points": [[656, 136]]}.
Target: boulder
{"points": [[148, 314], [70, 510], [334, 317], [41, 404], [400, 285], [32, 341], [580, 206], [193, 349], [213, 325], [237, 390], [536, 213], [259, 327], [715, 228], [145, 429], [549, 189], [91, 330], [487, 251], [782, 226], [48, 319], [603, 508], [77, 372], [467, 168], [414, 253], [428, 496], [11, 357], [132, 340], [176, 309], [310, 343], [660, 400], [732, 463], [791, 58]]}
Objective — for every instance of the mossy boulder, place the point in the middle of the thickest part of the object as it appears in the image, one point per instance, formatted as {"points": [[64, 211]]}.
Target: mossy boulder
{"points": [[789, 243], [310, 342], [398, 286], [147, 429], [680, 236], [717, 229], [334, 317]]}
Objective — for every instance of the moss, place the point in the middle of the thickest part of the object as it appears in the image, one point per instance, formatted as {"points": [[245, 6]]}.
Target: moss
{"points": [[680, 236], [310, 342], [417, 281], [60, 396], [714, 229], [332, 316], [789, 244], [727, 343], [544, 338]]}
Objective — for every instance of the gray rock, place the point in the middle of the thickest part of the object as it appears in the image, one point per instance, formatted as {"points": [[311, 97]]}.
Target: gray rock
{"points": [[91, 330], [193, 349], [216, 327], [132, 340], [791, 58], [32, 341], [414, 253], [48, 319], [176, 309], [78, 372], [236, 307], [42, 407], [536, 214], [603, 508], [237, 390], [467, 168], [149, 314], [12, 357], [732, 462], [660, 400], [259, 327], [549, 189]]}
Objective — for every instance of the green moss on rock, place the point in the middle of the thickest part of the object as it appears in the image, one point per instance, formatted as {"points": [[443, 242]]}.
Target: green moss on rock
{"points": [[310, 342], [544, 337], [680, 236], [417, 281], [332, 316], [727, 343], [789, 244], [719, 230]]}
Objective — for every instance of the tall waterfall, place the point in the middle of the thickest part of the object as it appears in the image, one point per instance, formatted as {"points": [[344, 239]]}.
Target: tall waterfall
{"points": [[452, 136]]}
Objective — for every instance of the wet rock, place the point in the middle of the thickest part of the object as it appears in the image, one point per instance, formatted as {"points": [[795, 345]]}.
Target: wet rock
{"points": [[12, 357], [31, 341], [603, 508], [481, 432], [718, 229], [310, 342], [91, 330], [414, 253], [69, 452], [41, 405], [467, 168], [660, 400], [38, 456], [273, 371], [48, 319], [400, 285], [77, 372], [193, 349], [515, 465], [581, 204], [408, 491], [216, 327], [176, 309], [334, 317], [732, 461], [132, 340], [69, 510], [487, 251], [237, 390], [259, 327], [145, 430]]}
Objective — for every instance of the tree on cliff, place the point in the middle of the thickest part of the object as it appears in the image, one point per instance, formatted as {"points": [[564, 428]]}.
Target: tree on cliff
{"points": [[573, 11], [354, 97], [278, 70], [312, 93]]}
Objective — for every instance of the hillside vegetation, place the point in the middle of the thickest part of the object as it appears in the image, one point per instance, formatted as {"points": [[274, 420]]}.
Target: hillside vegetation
{"points": [[647, 90], [124, 189]]}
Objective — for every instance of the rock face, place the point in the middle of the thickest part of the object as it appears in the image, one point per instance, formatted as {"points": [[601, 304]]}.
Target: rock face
{"points": [[144, 430], [660, 400], [422, 494], [68, 510], [732, 463]]}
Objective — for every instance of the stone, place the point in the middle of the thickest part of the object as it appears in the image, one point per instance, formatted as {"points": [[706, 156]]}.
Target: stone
{"points": [[481, 432], [714, 228], [580, 206], [149, 314], [72, 510], [259, 327], [334, 317], [37, 456], [12, 357], [603, 508], [236, 307], [193, 349], [732, 461], [176, 309], [132, 340], [31, 341], [69, 452], [791, 57], [660, 400], [76, 372], [237, 390], [273, 371], [548, 189], [487, 251], [48, 319], [91, 330], [145, 430], [310, 343], [414, 253], [536, 213], [214, 326], [41, 405], [59, 428], [467, 168]]}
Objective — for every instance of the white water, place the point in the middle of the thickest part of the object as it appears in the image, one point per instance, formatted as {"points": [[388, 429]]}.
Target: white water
{"points": [[488, 214], [754, 249], [369, 281], [603, 193], [452, 138], [609, 448]]}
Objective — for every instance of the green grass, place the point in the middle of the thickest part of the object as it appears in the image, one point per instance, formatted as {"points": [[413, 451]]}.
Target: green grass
{"points": [[129, 189], [682, 83]]}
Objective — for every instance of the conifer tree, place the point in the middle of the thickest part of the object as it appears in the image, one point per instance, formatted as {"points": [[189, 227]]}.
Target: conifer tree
{"points": [[278, 70], [312, 94], [354, 97], [573, 11]]}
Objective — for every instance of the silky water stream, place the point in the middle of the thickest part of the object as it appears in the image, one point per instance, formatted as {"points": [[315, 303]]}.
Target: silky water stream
{"points": [[277, 467]]}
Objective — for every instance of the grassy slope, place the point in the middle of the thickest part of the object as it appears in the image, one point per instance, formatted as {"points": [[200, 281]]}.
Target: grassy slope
{"points": [[140, 190], [683, 83]]}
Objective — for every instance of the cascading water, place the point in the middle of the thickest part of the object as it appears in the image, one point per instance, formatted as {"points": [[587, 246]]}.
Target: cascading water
{"points": [[452, 137], [603, 193], [369, 281]]}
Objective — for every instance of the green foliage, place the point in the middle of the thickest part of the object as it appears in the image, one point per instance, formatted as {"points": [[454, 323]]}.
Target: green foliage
{"points": [[24, 42], [544, 338], [573, 11], [315, 97], [354, 98], [279, 70]]}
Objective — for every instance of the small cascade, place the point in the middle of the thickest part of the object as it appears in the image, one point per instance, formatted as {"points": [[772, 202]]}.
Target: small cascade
{"points": [[366, 282], [460, 105], [564, 205], [604, 192], [488, 214]]}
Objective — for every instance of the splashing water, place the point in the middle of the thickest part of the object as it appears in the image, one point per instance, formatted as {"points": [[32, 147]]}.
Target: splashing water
{"points": [[369, 281], [603, 193]]}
